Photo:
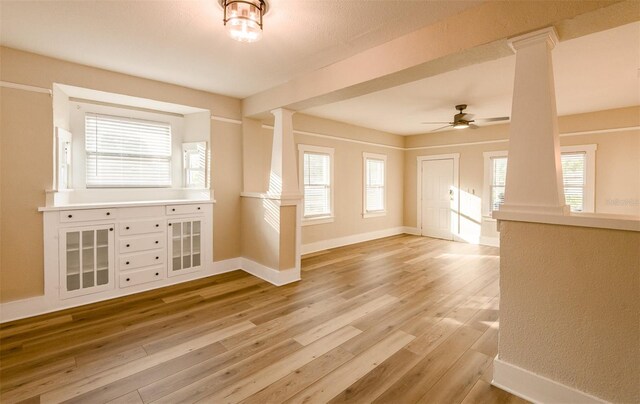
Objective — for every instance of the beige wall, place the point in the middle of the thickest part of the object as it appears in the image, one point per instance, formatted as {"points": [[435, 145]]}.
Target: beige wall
{"points": [[617, 160], [348, 178], [574, 318], [27, 149]]}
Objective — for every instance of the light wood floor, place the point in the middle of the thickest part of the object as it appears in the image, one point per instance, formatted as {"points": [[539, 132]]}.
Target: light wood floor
{"points": [[398, 320]]}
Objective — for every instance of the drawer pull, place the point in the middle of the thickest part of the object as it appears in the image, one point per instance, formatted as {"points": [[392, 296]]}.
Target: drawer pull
{"points": [[157, 258], [157, 225], [108, 213], [110, 228], [128, 245], [128, 279], [157, 241], [126, 228], [173, 210], [157, 273], [127, 263], [198, 207], [170, 224], [70, 216]]}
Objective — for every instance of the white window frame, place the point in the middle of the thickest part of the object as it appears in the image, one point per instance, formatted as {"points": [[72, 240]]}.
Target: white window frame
{"points": [[302, 149], [590, 176], [488, 180], [376, 213]]}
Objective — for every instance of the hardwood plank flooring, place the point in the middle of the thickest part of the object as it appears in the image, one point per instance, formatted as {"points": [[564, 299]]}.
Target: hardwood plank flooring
{"points": [[402, 319]]}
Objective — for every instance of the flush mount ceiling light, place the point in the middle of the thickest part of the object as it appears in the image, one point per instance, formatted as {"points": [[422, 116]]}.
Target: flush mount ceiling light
{"points": [[243, 18]]}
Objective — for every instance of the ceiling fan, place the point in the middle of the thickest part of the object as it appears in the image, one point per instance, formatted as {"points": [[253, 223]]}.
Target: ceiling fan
{"points": [[462, 120]]}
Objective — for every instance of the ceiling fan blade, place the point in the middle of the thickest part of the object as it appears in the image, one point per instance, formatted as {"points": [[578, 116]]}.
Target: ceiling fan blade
{"points": [[472, 126], [501, 118], [434, 123], [435, 130]]}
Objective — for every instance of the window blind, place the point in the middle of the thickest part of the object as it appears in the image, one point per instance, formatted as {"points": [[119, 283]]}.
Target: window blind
{"points": [[127, 152], [374, 193], [573, 174], [498, 180], [317, 184], [574, 178]]}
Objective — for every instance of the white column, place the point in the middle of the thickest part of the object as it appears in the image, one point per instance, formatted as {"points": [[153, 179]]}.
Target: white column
{"points": [[283, 179], [534, 171]]}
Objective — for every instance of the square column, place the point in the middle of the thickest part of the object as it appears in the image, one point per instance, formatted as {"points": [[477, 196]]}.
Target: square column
{"points": [[283, 178], [534, 172]]}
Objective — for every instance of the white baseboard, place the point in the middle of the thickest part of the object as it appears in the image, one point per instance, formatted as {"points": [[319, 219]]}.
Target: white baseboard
{"points": [[414, 231], [352, 239], [490, 241], [536, 388], [273, 276], [34, 306]]}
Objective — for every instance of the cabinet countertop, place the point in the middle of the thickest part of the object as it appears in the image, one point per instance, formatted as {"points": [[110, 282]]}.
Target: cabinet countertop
{"points": [[129, 204]]}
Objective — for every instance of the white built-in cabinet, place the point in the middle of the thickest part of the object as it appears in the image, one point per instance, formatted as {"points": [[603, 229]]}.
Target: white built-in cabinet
{"points": [[96, 253]]}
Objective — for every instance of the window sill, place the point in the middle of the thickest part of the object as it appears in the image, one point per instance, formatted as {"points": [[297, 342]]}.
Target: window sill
{"points": [[317, 220], [367, 215]]}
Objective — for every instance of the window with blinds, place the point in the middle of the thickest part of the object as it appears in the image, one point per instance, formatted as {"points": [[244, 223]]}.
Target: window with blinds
{"points": [[574, 177], [498, 180], [127, 152], [317, 184], [574, 166], [374, 195]]}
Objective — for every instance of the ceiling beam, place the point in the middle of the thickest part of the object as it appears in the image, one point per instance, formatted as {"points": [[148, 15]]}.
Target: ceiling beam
{"points": [[473, 36]]}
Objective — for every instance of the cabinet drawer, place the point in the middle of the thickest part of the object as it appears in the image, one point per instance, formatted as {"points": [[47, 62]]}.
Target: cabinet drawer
{"points": [[144, 276], [184, 209], [86, 215], [142, 227], [143, 259], [142, 243]]}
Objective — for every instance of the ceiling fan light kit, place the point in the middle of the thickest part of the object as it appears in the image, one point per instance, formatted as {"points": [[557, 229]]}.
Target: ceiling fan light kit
{"points": [[462, 120], [243, 18]]}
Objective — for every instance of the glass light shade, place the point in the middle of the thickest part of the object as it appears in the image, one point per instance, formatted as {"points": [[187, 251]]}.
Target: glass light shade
{"points": [[460, 125], [243, 19]]}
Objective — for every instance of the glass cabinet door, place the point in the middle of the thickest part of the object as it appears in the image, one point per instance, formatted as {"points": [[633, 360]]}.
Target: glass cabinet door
{"points": [[86, 263], [185, 246]]}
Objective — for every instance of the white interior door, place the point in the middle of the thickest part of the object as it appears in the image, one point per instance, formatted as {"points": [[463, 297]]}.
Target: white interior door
{"points": [[437, 198]]}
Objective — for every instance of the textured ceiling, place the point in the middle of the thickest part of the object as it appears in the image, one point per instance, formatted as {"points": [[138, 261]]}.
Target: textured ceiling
{"points": [[184, 42], [594, 72]]}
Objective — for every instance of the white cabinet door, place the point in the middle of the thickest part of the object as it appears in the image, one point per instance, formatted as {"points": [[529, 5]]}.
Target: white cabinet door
{"points": [[86, 260], [185, 245]]}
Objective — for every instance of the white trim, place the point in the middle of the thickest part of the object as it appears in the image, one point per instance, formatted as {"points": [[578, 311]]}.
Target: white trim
{"points": [[378, 213], [302, 149], [273, 276], [595, 220], [593, 132], [536, 388], [490, 241], [25, 87], [352, 239], [310, 221], [567, 134], [227, 120], [18, 309], [414, 231], [456, 183], [440, 146], [284, 200], [380, 157], [343, 139]]}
